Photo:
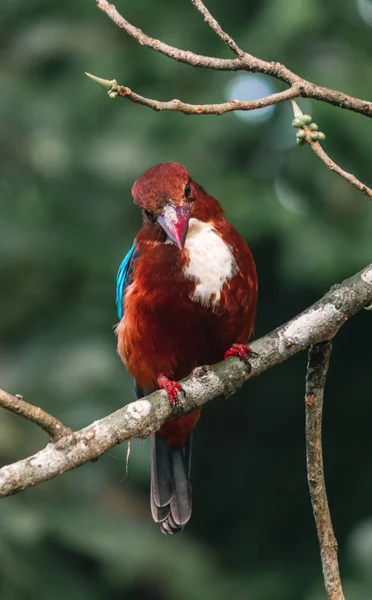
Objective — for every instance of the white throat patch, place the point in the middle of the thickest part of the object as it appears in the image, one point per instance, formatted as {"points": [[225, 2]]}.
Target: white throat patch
{"points": [[211, 262]]}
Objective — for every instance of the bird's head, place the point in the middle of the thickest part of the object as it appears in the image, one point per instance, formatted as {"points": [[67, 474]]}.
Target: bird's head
{"points": [[165, 194]]}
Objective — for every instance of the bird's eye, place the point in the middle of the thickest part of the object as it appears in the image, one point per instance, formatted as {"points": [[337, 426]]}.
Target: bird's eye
{"points": [[149, 215], [187, 191]]}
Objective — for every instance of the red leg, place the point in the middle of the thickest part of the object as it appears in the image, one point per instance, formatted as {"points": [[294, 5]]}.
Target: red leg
{"points": [[173, 388], [241, 351]]}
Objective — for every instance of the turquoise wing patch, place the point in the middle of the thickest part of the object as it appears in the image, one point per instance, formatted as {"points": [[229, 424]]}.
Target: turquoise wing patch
{"points": [[124, 278]]}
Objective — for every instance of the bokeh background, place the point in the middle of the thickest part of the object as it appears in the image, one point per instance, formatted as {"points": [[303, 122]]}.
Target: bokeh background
{"points": [[68, 158]]}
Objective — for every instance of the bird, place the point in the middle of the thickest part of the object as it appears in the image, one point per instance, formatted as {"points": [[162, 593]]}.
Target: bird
{"points": [[186, 294]]}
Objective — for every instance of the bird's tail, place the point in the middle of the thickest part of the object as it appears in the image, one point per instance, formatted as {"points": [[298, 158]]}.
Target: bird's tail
{"points": [[170, 485]]}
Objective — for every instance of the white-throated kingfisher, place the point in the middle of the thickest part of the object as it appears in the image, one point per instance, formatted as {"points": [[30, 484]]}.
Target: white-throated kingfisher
{"points": [[186, 296]]}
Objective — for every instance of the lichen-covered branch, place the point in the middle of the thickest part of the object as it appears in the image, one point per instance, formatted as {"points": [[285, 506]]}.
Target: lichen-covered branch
{"points": [[317, 368], [243, 62], [318, 323]]}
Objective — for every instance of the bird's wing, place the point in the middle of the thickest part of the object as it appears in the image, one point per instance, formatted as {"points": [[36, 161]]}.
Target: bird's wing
{"points": [[125, 277]]}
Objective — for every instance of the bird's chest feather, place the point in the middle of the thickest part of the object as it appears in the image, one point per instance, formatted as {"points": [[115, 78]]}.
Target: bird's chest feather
{"points": [[186, 307], [208, 261]]}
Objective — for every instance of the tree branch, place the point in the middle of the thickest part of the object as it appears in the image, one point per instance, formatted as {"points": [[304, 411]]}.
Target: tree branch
{"points": [[50, 424], [318, 323], [308, 132], [298, 86], [317, 368], [244, 62], [211, 21], [202, 109], [114, 89], [317, 148]]}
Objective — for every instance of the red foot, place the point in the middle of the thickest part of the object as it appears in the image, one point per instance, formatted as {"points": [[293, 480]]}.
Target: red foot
{"points": [[173, 388], [241, 351]]}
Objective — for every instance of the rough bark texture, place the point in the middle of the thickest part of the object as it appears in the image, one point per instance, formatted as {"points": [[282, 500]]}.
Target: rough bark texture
{"points": [[318, 323], [50, 424], [317, 368]]}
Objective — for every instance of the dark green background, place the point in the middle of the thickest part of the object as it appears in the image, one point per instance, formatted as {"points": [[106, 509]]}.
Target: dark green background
{"points": [[68, 158]]}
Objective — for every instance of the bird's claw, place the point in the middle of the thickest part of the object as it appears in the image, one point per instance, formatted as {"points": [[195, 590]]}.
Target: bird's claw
{"points": [[241, 351], [173, 388]]}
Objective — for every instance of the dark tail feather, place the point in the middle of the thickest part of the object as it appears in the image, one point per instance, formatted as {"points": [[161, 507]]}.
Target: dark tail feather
{"points": [[161, 475], [181, 500], [170, 485]]}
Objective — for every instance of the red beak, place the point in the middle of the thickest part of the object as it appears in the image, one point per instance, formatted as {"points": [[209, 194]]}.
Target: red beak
{"points": [[175, 222]]}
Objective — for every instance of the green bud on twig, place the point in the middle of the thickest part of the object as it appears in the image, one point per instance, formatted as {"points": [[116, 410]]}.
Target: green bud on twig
{"points": [[105, 83], [296, 123], [313, 126], [296, 111], [306, 119], [314, 136], [300, 141], [300, 135], [321, 136]]}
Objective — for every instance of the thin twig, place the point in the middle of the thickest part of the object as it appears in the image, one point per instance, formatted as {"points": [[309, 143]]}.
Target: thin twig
{"points": [[309, 133], [50, 424], [204, 109], [211, 21], [317, 148], [114, 89], [298, 86], [317, 323], [317, 368], [245, 62]]}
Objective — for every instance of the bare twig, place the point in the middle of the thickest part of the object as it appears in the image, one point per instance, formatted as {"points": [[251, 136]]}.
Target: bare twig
{"points": [[211, 21], [308, 132], [50, 424], [114, 89], [245, 62], [318, 323], [317, 148], [204, 109], [317, 368], [298, 86]]}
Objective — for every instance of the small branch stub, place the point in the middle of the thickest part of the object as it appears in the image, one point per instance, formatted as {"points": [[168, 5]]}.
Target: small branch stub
{"points": [[18, 405]]}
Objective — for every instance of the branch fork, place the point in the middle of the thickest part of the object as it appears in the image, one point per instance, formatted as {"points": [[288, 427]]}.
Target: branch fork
{"points": [[298, 87]]}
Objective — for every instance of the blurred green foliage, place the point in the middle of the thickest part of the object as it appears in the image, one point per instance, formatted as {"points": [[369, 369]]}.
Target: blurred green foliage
{"points": [[68, 158]]}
